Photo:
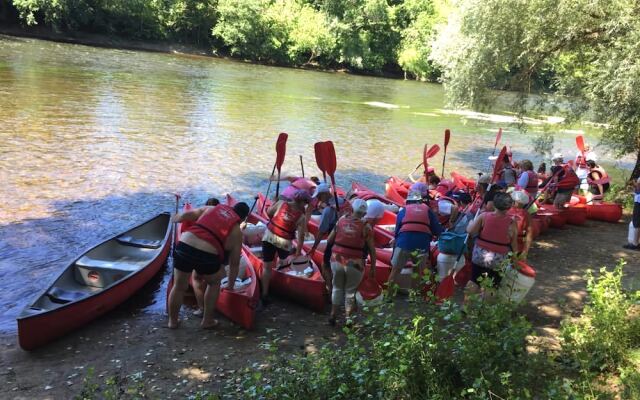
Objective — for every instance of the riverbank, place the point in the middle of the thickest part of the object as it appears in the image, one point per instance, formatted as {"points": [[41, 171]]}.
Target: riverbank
{"points": [[131, 351]]}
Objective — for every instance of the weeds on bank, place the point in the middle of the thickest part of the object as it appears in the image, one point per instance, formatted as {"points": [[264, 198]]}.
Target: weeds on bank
{"points": [[449, 351]]}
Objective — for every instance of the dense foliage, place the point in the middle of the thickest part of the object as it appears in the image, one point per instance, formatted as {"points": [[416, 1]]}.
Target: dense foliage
{"points": [[585, 49], [373, 36]]}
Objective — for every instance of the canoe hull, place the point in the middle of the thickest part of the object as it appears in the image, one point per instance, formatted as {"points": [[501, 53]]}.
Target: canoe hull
{"points": [[607, 212]]}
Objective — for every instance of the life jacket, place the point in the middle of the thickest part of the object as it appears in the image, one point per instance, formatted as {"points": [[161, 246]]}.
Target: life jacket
{"points": [[570, 180], [349, 241], [476, 204], [215, 226], [604, 177], [416, 219], [580, 161], [532, 183], [522, 223], [494, 235], [443, 218], [284, 222]]}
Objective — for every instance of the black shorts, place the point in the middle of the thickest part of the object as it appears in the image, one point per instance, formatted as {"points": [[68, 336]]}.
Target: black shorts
{"points": [[594, 189], [187, 258], [478, 271], [269, 252]]}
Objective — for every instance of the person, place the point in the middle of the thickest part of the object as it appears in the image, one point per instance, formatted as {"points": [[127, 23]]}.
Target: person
{"points": [[350, 237], [633, 239], [482, 186], [520, 213], [202, 248], [528, 179], [497, 236], [565, 179], [508, 174], [200, 285], [542, 171], [582, 167], [415, 226], [286, 218], [297, 183], [212, 201], [328, 219], [434, 181], [598, 181]]}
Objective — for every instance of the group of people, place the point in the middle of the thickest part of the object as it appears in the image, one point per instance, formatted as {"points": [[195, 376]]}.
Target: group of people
{"points": [[489, 224]]}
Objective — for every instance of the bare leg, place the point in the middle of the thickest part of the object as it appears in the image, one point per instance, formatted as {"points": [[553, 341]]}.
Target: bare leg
{"points": [[180, 285], [266, 278], [199, 286], [210, 298]]}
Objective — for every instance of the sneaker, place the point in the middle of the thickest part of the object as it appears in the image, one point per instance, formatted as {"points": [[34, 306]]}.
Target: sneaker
{"points": [[198, 313], [629, 246]]}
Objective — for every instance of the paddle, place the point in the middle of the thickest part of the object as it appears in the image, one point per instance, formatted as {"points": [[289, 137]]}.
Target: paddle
{"points": [[301, 165], [329, 162], [498, 166], [281, 148], [317, 149], [430, 153], [447, 137], [580, 145], [498, 137], [253, 206], [175, 225]]}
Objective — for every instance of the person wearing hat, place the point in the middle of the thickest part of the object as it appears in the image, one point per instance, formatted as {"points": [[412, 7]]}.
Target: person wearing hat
{"points": [[524, 224], [326, 205], [350, 237], [497, 236], [564, 179], [416, 224], [633, 239], [286, 219]]}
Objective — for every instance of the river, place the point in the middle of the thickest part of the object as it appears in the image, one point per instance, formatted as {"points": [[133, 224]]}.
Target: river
{"points": [[95, 140]]}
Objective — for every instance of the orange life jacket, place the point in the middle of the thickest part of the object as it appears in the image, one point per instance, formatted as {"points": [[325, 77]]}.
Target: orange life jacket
{"points": [[494, 235], [416, 219], [604, 177], [350, 241], [215, 226], [284, 222], [570, 180]]}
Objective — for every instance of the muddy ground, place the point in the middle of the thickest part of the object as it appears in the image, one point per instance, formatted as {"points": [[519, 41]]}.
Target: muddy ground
{"points": [[179, 363]]}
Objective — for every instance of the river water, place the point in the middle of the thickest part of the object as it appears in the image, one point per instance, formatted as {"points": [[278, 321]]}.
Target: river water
{"points": [[95, 140]]}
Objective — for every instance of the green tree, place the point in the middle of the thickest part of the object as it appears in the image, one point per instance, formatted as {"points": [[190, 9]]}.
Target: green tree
{"points": [[586, 49]]}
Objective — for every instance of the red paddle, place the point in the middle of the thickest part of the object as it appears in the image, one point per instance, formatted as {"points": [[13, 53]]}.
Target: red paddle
{"points": [[580, 144], [498, 167], [447, 137], [318, 150], [330, 163], [427, 154], [498, 137], [281, 148]]}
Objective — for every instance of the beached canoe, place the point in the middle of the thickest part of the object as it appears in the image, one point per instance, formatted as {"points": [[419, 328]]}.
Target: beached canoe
{"points": [[302, 283], [397, 190], [96, 282], [607, 212], [576, 214], [364, 193], [238, 305]]}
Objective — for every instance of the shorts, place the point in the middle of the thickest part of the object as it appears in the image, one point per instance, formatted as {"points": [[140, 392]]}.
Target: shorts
{"points": [[561, 198], [595, 190], [477, 271], [400, 257], [186, 258], [269, 252]]}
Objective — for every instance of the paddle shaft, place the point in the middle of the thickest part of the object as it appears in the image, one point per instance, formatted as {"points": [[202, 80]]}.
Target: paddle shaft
{"points": [[175, 227], [269, 187], [253, 206], [301, 165], [444, 158]]}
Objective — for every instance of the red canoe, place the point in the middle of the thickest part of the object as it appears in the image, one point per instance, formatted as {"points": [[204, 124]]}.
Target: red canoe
{"points": [[608, 212], [309, 290], [557, 219], [576, 214], [239, 305], [96, 282], [364, 193], [396, 189]]}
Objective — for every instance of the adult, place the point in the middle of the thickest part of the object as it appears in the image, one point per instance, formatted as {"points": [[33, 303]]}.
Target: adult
{"points": [[633, 239], [202, 248], [542, 171], [528, 179], [565, 179], [598, 181], [520, 213], [482, 187], [326, 205], [350, 237], [415, 226], [497, 236], [199, 285], [297, 183], [286, 218], [582, 167], [508, 174]]}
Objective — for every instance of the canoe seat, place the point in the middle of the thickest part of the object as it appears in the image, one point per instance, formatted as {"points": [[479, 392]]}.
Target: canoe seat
{"points": [[62, 296], [139, 242], [122, 264]]}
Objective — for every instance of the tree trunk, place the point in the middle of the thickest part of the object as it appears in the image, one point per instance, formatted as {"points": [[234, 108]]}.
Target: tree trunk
{"points": [[636, 170]]}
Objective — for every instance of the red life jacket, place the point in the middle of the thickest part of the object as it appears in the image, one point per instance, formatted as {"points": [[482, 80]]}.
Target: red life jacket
{"points": [[532, 183], [494, 235], [285, 222], [604, 177], [416, 219], [570, 180], [349, 241], [215, 226]]}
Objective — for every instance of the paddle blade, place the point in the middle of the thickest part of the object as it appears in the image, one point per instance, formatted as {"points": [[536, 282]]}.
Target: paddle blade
{"points": [[425, 159], [498, 137], [499, 163], [580, 143], [330, 158], [447, 137], [317, 149], [281, 149], [446, 288], [433, 151]]}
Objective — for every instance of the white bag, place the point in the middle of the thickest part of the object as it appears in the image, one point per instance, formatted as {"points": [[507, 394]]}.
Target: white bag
{"points": [[634, 235]]}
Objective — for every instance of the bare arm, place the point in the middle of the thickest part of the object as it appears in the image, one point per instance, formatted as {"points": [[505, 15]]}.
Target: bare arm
{"points": [[475, 225], [513, 234], [191, 215], [234, 243], [301, 231], [274, 178], [528, 238], [372, 250], [271, 211]]}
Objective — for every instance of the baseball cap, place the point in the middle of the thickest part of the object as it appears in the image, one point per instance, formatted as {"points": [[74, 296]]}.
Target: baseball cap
{"points": [[375, 209], [557, 156], [359, 206], [321, 188]]}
